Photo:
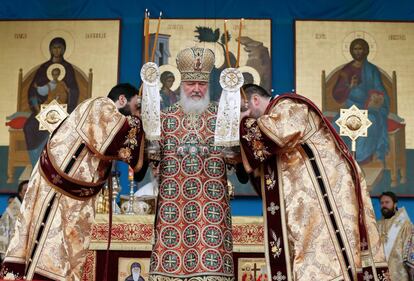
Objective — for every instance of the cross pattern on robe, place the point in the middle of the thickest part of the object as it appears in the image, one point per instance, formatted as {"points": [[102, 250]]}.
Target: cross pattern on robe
{"points": [[214, 212], [214, 166], [213, 189], [170, 188], [211, 259], [191, 210], [368, 276], [191, 235], [279, 276], [169, 144], [192, 188], [227, 240], [228, 265], [170, 212], [212, 235], [192, 164], [170, 165], [273, 208], [171, 123], [170, 236], [171, 261], [191, 259]]}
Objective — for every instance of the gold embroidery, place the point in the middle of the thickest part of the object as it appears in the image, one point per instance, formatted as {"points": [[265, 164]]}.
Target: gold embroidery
{"points": [[125, 153], [275, 245], [130, 139], [255, 139]]}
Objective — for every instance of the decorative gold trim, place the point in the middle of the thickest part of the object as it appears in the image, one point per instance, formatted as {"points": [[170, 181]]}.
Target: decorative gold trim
{"points": [[33, 265], [283, 218]]}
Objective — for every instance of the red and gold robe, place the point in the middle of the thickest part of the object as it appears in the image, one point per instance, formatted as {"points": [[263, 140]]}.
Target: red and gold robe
{"points": [[320, 223], [193, 223], [52, 234]]}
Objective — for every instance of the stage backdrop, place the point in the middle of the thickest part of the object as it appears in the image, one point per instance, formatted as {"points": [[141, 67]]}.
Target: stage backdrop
{"points": [[327, 53], [87, 54]]}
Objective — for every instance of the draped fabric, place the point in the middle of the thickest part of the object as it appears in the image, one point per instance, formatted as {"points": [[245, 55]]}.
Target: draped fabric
{"points": [[52, 233], [320, 222]]}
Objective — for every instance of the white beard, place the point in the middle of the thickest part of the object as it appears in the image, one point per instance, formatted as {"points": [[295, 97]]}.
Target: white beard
{"points": [[191, 106], [135, 276]]}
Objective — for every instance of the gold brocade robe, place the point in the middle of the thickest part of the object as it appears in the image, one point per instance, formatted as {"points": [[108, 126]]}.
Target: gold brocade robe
{"points": [[396, 234], [7, 222], [310, 201], [52, 234]]}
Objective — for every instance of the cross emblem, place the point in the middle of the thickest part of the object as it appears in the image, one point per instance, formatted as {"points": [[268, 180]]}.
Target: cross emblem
{"points": [[192, 188], [227, 264], [191, 211], [212, 235], [211, 259], [192, 164], [170, 261], [170, 236], [273, 208], [170, 165], [169, 144], [279, 276], [191, 258], [227, 241], [213, 189], [214, 166], [171, 123], [191, 235], [214, 212], [56, 179], [170, 212], [170, 188]]}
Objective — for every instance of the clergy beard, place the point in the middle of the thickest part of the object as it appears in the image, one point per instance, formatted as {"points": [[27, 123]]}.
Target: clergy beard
{"points": [[126, 110], [192, 106], [387, 213], [135, 276]]}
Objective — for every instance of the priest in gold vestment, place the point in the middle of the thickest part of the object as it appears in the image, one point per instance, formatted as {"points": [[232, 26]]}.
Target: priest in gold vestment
{"points": [[52, 233], [193, 224], [396, 233], [319, 221]]}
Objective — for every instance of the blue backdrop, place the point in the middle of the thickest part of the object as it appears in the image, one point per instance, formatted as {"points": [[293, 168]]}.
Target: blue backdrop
{"points": [[282, 13]]}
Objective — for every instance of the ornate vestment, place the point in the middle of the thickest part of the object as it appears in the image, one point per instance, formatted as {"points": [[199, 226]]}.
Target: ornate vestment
{"points": [[7, 222], [396, 235], [193, 223], [408, 256], [320, 223], [53, 231]]}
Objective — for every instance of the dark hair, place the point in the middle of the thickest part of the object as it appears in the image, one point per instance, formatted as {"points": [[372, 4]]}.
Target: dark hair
{"points": [[135, 264], [125, 89], [250, 89], [56, 41], [165, 75], [361, 42], [19, 189], [389, 194]]}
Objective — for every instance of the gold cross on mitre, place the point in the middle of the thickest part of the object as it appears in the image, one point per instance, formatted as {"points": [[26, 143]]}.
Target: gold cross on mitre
{"points": [[51, 115], [353, 123]]}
